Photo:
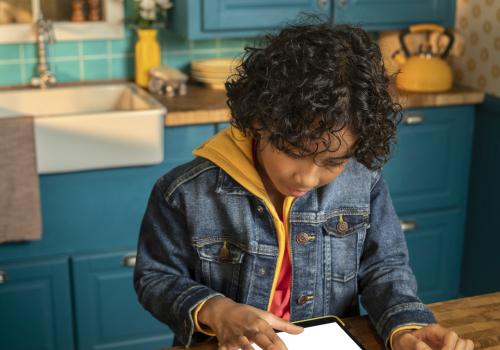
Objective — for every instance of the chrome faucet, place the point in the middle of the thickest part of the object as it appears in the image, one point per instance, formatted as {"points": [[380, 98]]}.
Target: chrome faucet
{"points": [[44, 32]]}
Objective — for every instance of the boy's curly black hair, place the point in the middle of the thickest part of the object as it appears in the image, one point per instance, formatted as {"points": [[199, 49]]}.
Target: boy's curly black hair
{"points": [[311, 80]]}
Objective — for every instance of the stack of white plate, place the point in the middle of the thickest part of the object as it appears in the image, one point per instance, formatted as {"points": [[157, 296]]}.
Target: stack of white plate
{"points": [[214, 71]]}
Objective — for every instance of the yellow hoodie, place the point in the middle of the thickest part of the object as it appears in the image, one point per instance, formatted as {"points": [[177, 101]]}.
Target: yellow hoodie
{"points": [[232, 151]]}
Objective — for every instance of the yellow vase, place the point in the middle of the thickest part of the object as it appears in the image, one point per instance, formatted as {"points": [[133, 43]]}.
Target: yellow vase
{"points": [[147, 55]]}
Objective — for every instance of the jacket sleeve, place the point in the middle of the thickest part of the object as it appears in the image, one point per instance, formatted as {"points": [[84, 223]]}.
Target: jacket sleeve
{"points": [[165, 265], [388, 286]]}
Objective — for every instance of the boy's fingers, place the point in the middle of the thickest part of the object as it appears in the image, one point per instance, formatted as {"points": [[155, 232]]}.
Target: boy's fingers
{"points": [[268, 341], [434, 333], [282, 325], [460, 344], [450, 340], [420, 345], [293, 328], [248, 347], [409, 341], [245, 344], [233, 343]]}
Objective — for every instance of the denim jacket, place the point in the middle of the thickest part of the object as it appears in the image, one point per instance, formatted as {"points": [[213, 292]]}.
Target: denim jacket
{"points": [[345, 238]]}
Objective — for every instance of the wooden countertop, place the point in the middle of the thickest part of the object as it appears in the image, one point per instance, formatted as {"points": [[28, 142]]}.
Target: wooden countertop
{"points": [[202, 105], [476, 318]]}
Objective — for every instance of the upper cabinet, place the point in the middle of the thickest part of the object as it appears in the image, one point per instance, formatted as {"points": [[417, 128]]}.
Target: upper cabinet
{"points": [[205, 19], [375, 15], [72, 20]]}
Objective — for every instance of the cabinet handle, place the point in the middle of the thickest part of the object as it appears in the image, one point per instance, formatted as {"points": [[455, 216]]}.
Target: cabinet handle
{"points": [[3, 277], [342, 3], [408, 225], [413, 119], [129, 260], [322, 4]]}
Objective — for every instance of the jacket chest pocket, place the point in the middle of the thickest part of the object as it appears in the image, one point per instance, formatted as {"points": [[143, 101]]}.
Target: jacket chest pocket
{"points": [[221, 265], [343, 236]]}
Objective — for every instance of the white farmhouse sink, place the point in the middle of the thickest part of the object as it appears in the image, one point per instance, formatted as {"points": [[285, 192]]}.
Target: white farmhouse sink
{"points": [[90, 127]]}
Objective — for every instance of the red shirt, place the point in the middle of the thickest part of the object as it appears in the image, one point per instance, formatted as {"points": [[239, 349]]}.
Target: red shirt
{"points": [[280, 305]]}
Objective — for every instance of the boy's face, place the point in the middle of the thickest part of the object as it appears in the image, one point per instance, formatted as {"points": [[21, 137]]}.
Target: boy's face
{"points": [[294, 177]]}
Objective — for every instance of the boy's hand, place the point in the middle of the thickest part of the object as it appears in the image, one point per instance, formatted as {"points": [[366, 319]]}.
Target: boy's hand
{"points": [[430, 337], [237, 326]]}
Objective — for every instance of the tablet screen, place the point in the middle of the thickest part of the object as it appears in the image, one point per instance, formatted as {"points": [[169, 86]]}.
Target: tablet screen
{"points": [[322, 336]]}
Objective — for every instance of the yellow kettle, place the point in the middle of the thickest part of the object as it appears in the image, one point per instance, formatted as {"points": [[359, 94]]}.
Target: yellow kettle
{"points": [[425, 71]]}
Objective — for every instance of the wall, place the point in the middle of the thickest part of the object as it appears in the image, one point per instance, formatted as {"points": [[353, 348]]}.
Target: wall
{"points": [[478, 21], [106, 59]]}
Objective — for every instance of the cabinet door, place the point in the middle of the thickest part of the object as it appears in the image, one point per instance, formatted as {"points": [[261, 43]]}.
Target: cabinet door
{"points": [[35, 305], [180, 141], [435, 242], [430, 165], [253, 14], [221, 126], [394, 14], [199, 19], [108, 315]]}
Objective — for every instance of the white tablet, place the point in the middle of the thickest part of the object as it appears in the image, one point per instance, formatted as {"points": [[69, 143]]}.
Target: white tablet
{"points": [[320, 333]]}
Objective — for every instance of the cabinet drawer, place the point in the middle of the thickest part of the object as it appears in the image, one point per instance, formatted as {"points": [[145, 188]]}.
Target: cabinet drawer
{"points": [[108, 314], [435, 242], [429, 168], [35, 304]]}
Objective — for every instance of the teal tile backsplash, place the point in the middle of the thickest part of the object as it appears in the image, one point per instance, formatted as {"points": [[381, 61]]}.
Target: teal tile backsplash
{"points": [[107, 59], [9, 52], [10, 73]]}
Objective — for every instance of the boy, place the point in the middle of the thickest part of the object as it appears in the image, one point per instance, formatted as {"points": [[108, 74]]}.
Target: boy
{"points": [[286, 216]]}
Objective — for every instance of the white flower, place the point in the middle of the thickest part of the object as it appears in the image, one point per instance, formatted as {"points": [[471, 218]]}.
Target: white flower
{"points": [[150, 15], [164, 4], [148, 5]]}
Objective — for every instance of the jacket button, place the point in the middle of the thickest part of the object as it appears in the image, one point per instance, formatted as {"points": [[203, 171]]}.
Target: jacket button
{"points": [[304, 299], [342, 227], [260, 209], [303, 238]]}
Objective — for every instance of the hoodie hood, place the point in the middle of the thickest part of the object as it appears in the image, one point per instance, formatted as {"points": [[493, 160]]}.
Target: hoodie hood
{"points": [[231, 150]]}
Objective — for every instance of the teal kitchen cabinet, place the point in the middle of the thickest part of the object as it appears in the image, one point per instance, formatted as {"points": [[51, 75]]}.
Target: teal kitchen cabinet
{"points": [[221, 126], [430, 163], [435, 241], [393, 14], [108, 315], [85, 300], [35, 305], [481, 262], [208, 19], [180, 141], [428, 179]]}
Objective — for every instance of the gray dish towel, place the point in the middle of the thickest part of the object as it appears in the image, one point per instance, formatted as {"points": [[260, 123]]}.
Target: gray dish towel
{"points": [[20, 217]]}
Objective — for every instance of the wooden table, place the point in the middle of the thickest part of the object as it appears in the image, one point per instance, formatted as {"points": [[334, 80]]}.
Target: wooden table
{"points": [[476, 318]]}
